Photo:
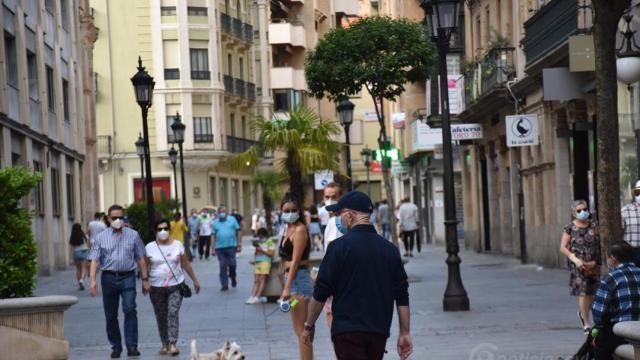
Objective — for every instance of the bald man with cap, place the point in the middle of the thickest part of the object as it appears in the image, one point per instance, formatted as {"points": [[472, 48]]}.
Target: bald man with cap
{"points": [[365, 275]]}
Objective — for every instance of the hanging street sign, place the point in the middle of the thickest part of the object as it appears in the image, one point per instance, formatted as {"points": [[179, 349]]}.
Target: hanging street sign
{"points": [[522, 130]]}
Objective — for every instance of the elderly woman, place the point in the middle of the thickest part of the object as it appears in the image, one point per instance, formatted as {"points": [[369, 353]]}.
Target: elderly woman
{"points": [[580, 243]]}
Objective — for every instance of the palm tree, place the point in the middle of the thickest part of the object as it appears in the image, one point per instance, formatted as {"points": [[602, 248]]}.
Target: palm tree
{"points": [[303, 137], [269, 182]]}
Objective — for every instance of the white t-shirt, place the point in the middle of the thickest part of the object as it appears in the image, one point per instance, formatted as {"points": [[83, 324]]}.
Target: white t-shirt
{"points": [[205, 226], [95, 228], [159, 273], [331, 232], [323, 214], [408, 216]]}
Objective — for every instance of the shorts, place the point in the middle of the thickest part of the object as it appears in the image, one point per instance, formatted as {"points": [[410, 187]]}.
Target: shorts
{"points": [[314, 228], [262, 268], [80, 254], [302, 284]]}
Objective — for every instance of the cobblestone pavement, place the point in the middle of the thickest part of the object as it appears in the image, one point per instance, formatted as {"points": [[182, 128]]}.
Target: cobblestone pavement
{"points": [[517, 312]]}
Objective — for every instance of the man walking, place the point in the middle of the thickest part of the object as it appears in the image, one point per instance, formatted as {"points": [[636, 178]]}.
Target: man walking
{"points": [[631, 223], [617, 299], [365, 275], [204, 240], [408, 218], [117, 251], [332, 193], [226, 233], [383, 215], [192, 222], [95, 227]]}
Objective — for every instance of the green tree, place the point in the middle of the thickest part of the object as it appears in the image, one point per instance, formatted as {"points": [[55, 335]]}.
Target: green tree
{"points": [[378, 53], [306, 141], [137, 215], [18, 251], [270, 184]]}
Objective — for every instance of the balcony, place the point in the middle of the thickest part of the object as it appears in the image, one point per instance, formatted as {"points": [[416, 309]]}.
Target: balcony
{"points": [[247, 32], [228, 84], [550, 28], [251, 92], [287, 33], [225, 23], [237, 28], [492, 72], [240, 88], [103, 145], [236, 145], [287, 78], [347, 7]]}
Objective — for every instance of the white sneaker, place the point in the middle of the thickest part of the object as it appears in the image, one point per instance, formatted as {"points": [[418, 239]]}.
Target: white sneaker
{"points": [[251, 300], [263, 299]]}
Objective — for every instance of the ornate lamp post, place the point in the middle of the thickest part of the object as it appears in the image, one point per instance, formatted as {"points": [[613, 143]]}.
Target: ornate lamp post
{"points": [[143, 86], [443, 18], [140, 150], [173, 157], [628, 66], [366, 157], [345, 114], [178, 131]]}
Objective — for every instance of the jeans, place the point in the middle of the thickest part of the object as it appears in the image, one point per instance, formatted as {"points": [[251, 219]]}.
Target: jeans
{"points": [[386, 231], [227, 260], [166, 303], [114, 287], [204, 246]]}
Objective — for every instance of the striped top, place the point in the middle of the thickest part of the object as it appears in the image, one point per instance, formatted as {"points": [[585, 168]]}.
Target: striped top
{"points": [[117, 251]]}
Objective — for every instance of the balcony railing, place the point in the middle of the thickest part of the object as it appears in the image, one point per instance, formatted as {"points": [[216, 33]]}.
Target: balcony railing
{"points": [[225, 23], [104, 146], [237, 145], [240, 88], [248, 33], [228, 84], [200, 74], [251, 91], [494, 70], [171, 74], [237, 28], [203, 138], [549, 28]]}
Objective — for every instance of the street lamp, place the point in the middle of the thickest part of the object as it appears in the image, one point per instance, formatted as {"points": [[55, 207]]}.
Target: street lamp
{"points": [[173, 157], [143, 86], [628, 66], [443, 18], [140, 150], [345, 114], [365, 154], [178, 132]]}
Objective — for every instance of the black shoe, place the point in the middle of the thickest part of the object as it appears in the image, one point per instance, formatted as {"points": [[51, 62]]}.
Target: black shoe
{"points": [[234, 282], [115, 354], [224, 288], [133, 351]]}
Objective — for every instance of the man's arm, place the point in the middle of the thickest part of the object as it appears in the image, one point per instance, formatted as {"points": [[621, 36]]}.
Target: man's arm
{"points": [[93, 284], [142, 264], [405, 344], [315, 309], [601, 303]]}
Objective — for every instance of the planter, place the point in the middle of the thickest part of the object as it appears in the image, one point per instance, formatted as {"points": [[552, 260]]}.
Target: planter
{"points": [[33, 328]]}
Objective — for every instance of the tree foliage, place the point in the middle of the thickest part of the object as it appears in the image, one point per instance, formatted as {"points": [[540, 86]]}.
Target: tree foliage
{"points": [[18, 251], [137, 215], [378, 53], [270, 183]]}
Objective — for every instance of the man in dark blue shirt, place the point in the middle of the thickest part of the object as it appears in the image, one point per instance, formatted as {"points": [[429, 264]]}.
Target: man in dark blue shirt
{"points": [[365, 275]]}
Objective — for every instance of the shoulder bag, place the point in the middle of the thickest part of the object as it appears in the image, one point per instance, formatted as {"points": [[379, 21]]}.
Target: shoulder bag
{"points": [[184, 289]]}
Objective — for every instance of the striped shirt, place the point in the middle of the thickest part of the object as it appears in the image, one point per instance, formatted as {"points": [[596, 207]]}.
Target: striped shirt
{"points": [[618, 296], [631, 224], [117, 252]]}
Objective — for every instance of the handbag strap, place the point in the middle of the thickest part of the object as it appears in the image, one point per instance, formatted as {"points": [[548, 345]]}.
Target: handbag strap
{"points": [[165, 260]]}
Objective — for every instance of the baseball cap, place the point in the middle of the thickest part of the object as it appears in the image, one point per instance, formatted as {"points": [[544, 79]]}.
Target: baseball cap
{"points": [[354, 200]]}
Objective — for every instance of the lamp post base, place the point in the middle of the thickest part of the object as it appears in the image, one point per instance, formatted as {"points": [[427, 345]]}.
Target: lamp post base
{"points": [[455, 296], [455, 303]]}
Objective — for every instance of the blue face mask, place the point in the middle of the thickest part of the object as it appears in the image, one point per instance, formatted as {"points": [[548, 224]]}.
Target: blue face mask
{"points": [[582, 215], [339, 225], [223, 215]]}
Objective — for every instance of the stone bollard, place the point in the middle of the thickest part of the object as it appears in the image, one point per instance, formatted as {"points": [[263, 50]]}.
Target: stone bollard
{"points": [[630, 331], [33, 327]]}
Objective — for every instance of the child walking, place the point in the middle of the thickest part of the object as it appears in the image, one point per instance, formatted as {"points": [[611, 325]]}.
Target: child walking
{"points": [[265, 250]]}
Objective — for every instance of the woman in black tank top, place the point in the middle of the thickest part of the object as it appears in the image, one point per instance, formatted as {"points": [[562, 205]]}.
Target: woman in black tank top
{"points": [[294, 251]]}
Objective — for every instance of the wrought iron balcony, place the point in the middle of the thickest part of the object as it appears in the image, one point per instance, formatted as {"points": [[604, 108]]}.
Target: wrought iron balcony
{"points": [[549, 28], [237, 145], [103, 145], [236, 25], [251, 91], [493, 71], [239, 88], [225, 23], [248, 32], [228, 84]]}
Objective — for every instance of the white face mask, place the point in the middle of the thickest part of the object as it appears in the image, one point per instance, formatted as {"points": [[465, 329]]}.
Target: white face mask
{"points": [[290, 217], [117, 224], [329, 202], [638, 199], [163, 235]]}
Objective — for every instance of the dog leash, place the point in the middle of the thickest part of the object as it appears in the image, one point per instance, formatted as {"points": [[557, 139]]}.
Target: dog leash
{"points": [[272, 312]]}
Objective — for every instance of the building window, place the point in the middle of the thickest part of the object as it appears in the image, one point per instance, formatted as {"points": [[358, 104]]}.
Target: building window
{"points": [[38, 192], [170, 136], [64, 15], [238, 9], [11, 59], [32, 69], [55, 191], [65, 98], [229, 65], [226, 6], [232, 125], [243, 125], [241, 66], [196, 11], [171, 74], [199, 64], [168, 11], [287, 100], [71, 212], [51, 98], [202, 130]]}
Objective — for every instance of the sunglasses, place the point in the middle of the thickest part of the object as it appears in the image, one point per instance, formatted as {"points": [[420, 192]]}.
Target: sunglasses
{"points": [[578, 211], [290, 211], [117, 218], [163, 228]]}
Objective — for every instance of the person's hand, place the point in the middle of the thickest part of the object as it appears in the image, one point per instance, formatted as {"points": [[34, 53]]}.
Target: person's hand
{"points": [[239, 249], [145, 287], [286, 294], [213, 252], [308, 334], [196, 286], [405, 346], [93, 288]]}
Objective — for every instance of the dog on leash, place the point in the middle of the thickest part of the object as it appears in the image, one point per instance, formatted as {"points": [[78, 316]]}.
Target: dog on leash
{"points": [[230, 351]]}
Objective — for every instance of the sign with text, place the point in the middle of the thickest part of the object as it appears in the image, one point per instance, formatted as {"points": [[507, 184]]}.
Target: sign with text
{"points": [[522, 130], [322, 179], [425, 137]]}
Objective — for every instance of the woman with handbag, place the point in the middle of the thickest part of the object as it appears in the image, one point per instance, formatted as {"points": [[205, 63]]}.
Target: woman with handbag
{"points": [[580, 243], [166, 260]]}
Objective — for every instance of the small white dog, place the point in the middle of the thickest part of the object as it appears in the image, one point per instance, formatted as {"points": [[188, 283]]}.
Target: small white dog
{"points": [[230, 351]]}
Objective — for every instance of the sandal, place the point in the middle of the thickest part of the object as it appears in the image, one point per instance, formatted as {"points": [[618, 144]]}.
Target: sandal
{"points": [[164, 350], [174, 350]]}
